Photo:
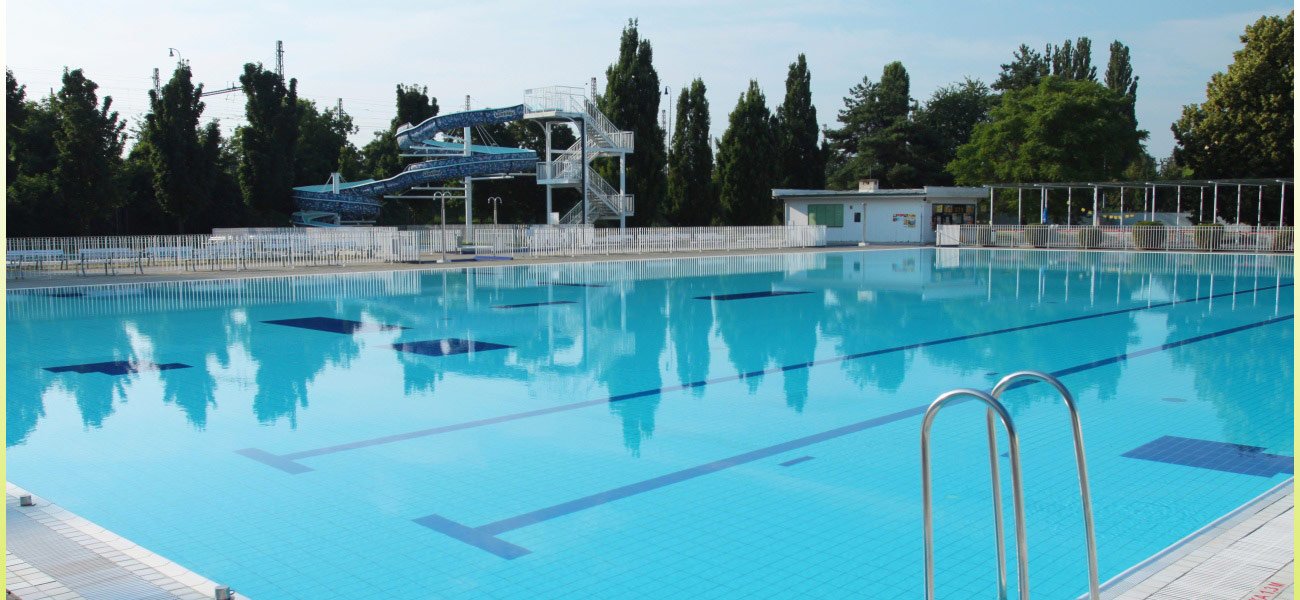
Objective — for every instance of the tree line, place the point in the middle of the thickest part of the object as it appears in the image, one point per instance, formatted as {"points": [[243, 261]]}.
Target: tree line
{"points": [[1047, 117]]}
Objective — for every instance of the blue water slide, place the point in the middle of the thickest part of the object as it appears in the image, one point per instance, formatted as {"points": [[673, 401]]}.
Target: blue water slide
{"points": [[409, 137], [360, 200]]}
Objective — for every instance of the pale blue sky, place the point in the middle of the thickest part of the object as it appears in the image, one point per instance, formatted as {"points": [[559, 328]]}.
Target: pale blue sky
{"points": [[495, 49]]}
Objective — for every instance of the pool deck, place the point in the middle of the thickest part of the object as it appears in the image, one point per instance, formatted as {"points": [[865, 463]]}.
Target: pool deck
{"points": [[52, 554], [1249, 554]]}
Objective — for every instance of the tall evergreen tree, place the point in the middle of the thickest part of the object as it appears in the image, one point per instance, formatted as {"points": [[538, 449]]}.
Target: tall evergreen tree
{"points": [[800, 162], [182, 157], [15, 117], [1119, 71], [1027, 68], [268, 142], [414, 105], [692, 197], [1073, 60], [879, 138], [631, 101], [88, 146], [747, 162]]}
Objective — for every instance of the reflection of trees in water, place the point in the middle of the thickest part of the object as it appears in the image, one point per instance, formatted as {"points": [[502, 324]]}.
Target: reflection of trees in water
{"points": [[94, 393], [647, 304], [690, 327], [1252, 387], [288, 360], [856, 326], [193, 390]]}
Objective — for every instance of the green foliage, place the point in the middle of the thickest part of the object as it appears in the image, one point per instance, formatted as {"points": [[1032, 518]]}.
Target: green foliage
{"points": [[948, 119], [1149, 235], [268, 143], [631, 101], [692, 197], [181, 157], [747, 162], [1245, 127], [1073, 61], [800, 162], [414, 105], [878, 139], [1119, 71], [322, 143], [1055, 131], [1208, 236], [88, 148], [1026, 69]]}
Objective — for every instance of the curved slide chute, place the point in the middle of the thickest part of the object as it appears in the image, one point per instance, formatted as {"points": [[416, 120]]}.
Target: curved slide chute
{"points": [[359, 201]]}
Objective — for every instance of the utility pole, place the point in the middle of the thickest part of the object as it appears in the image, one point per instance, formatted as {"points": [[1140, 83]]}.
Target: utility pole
{"points": [[338, 108], [279, 58], [593, 89], [157, 89]]}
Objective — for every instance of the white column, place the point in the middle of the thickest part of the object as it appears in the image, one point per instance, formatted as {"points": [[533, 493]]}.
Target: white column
{"points": [[546, 160], [1178, 204], [1096, 216], [1259, 208], [991, 206], [1214, 210], [469, 210], [1121, 206], [1238, 218], [1020, 196], [1042, 206], [1069, 205], [1281, 209], [622, 188]]}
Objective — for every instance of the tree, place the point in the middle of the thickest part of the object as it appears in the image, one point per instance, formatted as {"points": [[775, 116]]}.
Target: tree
{"points": [[414, 105], [322, 142], [747, 162], [1073, 61], [800, 162], [878, 139], [268, 142], [1026, 69], [692, 198], [1245, 126], [181, 156], [15, 117], [948, 119], [88, 144], [1119, 71], [631, 101], [1057, 130]]}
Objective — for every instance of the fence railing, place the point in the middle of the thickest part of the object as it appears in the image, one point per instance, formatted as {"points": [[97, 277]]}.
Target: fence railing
{"points": [[288, 248], [1198, 238]]}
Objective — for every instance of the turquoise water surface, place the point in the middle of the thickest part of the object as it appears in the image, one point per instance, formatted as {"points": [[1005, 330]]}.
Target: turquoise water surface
{"points": [[735, 427]]}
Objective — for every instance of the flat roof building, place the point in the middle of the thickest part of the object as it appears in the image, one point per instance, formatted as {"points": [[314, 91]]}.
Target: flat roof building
{"points": [[875, 216]]}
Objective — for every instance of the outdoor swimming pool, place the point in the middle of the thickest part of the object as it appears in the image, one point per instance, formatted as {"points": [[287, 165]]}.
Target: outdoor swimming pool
{"points": [[730, 427]]}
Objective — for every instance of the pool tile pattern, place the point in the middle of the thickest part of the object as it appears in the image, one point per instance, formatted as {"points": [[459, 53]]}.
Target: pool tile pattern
{"points": [[1219, 456]]}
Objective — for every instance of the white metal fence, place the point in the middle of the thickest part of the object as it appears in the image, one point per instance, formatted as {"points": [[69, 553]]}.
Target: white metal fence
{"points": [[287, 248], [1199, 238]]}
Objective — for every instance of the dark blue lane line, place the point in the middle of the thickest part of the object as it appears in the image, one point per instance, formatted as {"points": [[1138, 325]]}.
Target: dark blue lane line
{"points": [[794, 461], [117, 367], [749, 295], [388, 439], [333, 325], [484, 536]]}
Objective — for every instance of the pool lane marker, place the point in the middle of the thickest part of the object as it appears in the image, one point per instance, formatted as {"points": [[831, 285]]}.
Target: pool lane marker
{"points": [[117, 367], [484, 536], [750, 295], [794, 461], [333, 325], [532, 304], [282, 460], [1217, 456]]}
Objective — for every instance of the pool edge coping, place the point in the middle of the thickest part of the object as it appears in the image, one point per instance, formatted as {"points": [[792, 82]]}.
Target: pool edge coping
{"points": [[77, 524], [1133, 576]]}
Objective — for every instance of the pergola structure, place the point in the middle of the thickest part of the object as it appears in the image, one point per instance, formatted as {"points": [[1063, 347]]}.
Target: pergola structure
{"points": [[1150, 194]]}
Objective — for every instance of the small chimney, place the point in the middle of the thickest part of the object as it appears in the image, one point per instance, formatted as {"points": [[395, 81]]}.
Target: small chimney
{"points": [[868, 185]]}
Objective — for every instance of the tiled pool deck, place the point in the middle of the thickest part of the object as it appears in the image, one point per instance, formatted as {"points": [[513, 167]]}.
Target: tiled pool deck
{"points": [[53, 554]]}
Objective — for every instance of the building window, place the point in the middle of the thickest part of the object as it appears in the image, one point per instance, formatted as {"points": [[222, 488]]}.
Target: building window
{"points": [[830, 215], [953, 214]]}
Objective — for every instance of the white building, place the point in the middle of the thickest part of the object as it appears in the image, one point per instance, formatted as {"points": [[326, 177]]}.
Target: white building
{"points": [[877, 216]]}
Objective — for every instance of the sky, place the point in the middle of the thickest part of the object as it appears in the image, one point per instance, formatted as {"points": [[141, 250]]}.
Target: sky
{"points": [[493, 50]]}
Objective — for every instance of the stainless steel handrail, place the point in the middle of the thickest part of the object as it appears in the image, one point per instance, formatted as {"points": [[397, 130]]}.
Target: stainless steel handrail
{"points": [[1094, 587], [1022, 555]]}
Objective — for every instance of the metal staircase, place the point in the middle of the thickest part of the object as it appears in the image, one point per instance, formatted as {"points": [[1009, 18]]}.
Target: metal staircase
{"points": [[571, 168], [995, 408]]}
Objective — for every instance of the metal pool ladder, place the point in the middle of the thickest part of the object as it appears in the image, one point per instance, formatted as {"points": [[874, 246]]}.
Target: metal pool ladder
{"points": [[995, 407]]}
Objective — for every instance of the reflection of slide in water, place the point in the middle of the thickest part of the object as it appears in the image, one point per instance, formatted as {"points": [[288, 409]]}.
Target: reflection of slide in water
{"points": [[360, 200]]}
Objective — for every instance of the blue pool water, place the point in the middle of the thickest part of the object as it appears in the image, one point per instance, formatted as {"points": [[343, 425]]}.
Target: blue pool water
{"points": [[738, 427]]}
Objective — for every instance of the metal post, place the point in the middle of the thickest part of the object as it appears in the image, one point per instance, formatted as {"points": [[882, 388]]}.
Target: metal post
{"points": [[1259, 208], [582, 147], [1238, 218], [546, 160], [990, 207], [1281, 209], [622, 190], [442, 225], [1096, 216], [1042, 206], [1178, 203], [1153, 203], [1214, 216], [1069, 205], [469, 210], [1020, 195]]}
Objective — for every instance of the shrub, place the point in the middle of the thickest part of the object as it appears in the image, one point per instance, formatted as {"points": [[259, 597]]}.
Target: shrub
{"points": [[1208, 236], [1284, 239], [1149, 235], [1089, 237], [1036, 235]]}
